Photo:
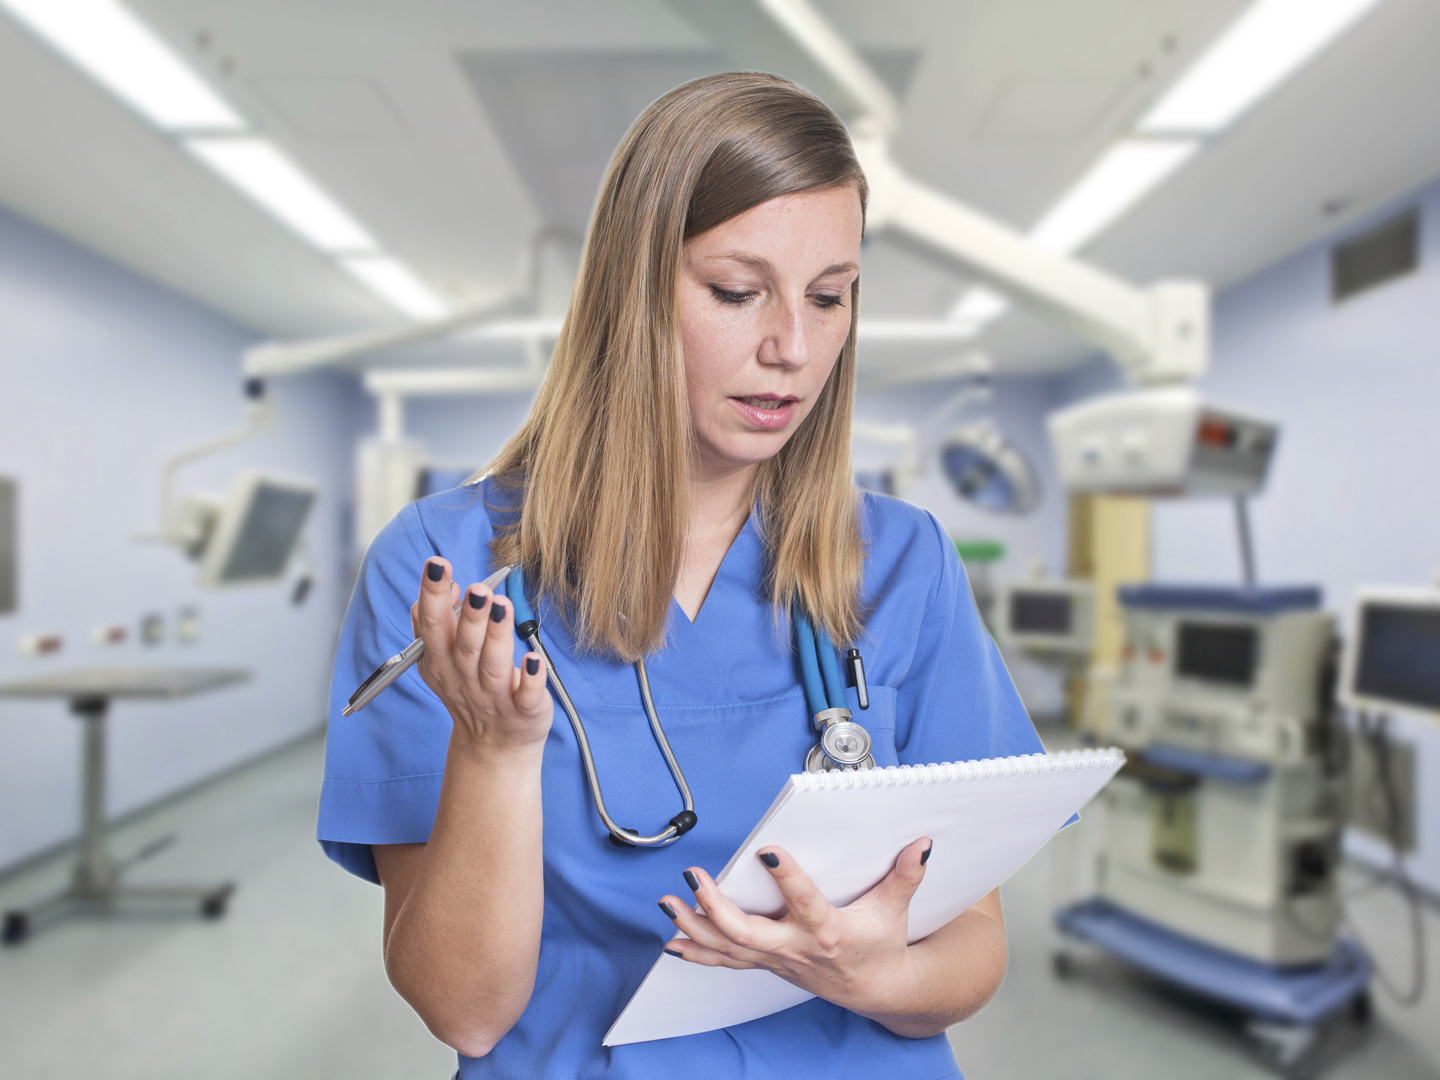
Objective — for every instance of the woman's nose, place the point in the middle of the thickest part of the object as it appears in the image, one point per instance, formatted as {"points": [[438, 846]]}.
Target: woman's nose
{"points": [[787, 338]]}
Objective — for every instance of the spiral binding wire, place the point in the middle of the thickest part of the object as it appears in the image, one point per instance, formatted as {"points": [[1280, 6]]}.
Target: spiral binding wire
{"points": [[897, 775]]}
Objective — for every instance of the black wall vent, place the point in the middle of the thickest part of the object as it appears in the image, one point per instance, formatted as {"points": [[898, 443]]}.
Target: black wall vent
{"points": [[1388, 251]]}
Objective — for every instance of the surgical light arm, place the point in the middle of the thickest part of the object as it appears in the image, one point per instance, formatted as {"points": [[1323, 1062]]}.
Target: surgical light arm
{"points": [[1156, 335]]}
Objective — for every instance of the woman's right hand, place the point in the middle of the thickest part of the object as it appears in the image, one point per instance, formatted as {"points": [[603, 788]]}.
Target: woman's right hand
{"points": [[467, 662]]}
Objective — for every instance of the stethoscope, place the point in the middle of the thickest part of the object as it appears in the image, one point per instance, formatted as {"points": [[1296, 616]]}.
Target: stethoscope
{"points": [[843, 744]]}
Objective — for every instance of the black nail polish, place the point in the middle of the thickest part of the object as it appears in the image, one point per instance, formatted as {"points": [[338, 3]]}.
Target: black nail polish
{"points": [[668, 910], [477, 600], [926, 857], [692, 881], [434, 570], [770, 859], [497, 613], [532, 665], [672, 952]]}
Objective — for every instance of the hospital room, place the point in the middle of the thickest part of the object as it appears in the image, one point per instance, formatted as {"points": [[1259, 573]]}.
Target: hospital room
{"points": [[1023, 410]]}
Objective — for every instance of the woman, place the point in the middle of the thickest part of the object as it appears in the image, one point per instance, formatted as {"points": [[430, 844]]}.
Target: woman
{"points": [[681, 486]]}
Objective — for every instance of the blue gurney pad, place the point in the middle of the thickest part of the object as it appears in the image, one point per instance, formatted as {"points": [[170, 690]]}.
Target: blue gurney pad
{"points": [[1296, 995]]}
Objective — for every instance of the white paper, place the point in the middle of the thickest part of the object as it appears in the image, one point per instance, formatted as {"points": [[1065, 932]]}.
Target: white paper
{"points": [[986, 818]]}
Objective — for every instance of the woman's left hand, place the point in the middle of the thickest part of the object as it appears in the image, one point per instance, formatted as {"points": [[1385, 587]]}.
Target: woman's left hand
{"points": [[856, 956]]}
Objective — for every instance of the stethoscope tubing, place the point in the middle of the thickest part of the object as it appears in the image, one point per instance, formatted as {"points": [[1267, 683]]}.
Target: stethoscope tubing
{"points": [[587, 758]]}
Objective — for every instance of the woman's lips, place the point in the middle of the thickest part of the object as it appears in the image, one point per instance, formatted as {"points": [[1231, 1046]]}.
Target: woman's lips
{"points": [[766, 413]]}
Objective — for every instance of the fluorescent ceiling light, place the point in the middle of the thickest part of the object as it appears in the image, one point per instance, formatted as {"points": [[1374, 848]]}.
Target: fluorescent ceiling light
{"points": [[978, 306], [1126, 173], [128, 59], [393, 282], [1264, 46], [260, 170]]}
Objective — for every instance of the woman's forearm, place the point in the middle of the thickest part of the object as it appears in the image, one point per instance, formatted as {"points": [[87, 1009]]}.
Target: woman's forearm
{"points": [[463, 947], [953, 973]]}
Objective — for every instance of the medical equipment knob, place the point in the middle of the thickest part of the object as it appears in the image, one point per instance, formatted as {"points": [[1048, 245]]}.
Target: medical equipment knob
{"points": [[684, 822]]}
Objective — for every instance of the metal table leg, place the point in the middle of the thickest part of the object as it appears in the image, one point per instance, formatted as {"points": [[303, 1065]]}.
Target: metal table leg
{"points": [[94, 886]]}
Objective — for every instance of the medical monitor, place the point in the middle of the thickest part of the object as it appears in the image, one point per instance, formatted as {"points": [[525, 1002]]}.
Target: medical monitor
{"points": [[258, 528], [1217, 652], [1047, 616], [1392, 654]]}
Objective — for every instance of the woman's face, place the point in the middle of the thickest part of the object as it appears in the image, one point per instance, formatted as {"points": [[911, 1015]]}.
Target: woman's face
{"points": [[764, 308]]}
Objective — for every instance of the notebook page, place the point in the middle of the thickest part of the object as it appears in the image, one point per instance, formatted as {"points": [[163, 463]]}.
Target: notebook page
{"points": [[986, 819]]}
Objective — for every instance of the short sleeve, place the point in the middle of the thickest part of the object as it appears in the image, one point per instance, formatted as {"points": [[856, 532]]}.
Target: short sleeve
{"points": [[384, 764], [955, 701]]}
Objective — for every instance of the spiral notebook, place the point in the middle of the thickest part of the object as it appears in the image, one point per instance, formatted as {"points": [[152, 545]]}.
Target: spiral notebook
{"points": [[845, 828]]}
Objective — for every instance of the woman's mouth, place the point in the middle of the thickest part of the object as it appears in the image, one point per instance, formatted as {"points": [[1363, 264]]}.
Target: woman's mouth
{"points": [[766, 411]]}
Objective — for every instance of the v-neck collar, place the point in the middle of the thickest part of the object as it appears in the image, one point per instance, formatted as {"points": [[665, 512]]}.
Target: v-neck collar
{"points": [[733, 637]]}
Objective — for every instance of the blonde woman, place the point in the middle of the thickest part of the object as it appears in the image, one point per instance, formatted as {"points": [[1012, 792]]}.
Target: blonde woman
{"points": [[680, 494]]}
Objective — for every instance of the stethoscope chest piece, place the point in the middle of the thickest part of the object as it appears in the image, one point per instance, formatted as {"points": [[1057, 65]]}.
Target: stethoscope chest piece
{"points": [[844, 744]]}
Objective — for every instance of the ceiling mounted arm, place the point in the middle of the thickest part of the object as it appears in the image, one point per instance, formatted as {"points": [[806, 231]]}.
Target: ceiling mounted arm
{"points": [[1156, 335]]}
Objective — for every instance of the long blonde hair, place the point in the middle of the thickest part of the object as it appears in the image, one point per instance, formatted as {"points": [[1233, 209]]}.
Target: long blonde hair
{"points": [[602, 464]]}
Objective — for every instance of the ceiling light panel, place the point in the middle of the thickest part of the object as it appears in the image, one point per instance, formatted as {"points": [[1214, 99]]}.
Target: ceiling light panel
{"points": [[1127, 172], [978, 306], [126, 57], [397, 285], [1263, 47], [261, 171]]}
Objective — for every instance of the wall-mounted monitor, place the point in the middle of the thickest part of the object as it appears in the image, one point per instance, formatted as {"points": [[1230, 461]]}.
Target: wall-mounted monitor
{"points": [[1392, 653], [260, 524]]}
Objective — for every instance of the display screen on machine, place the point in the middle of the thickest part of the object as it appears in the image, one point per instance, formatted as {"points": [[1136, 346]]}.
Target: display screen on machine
{"points": [[1217, 653]]}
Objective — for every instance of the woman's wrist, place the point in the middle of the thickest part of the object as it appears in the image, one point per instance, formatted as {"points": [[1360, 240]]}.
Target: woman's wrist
{"points": [[489, 750]]}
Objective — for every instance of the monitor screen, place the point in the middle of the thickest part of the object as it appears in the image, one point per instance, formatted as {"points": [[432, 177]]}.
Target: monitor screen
{"points": [[1218, 653], [1399, 657], [267, 534], [1039, 612]]}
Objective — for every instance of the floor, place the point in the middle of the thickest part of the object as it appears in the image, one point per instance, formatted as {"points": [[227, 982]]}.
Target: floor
{"points": [[289, 984]]}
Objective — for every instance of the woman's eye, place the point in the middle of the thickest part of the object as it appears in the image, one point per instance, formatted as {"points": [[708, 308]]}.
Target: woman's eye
{"points": [[830, 299], [726, 296]]}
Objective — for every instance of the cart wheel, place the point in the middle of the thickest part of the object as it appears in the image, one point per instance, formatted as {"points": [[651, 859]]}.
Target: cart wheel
{"points": [[1362, 1009], [1061, 964], [213, 907], [17, 928]]}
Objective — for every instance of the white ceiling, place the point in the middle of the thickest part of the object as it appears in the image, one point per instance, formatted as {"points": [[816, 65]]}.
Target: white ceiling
{"points": [[454, 129]]}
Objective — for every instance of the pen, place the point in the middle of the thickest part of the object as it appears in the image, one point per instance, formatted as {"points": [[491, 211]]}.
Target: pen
{"points": [[403, 661]]}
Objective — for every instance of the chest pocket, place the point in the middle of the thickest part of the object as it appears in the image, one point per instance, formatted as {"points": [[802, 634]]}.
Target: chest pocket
{"points": [[879, 720]]}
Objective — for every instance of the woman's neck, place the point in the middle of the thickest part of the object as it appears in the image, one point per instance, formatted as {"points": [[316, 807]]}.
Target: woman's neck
{"points": [[719, 507]]}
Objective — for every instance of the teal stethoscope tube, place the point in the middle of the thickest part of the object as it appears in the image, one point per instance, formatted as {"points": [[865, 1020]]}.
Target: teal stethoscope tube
{"points": [[820, 673]]}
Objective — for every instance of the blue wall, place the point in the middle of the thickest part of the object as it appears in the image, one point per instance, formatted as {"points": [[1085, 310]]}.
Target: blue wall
{"points": [[104, 376]]}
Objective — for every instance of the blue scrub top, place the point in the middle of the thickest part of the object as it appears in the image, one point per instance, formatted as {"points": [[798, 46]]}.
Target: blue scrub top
{"points": [[729, 694]]}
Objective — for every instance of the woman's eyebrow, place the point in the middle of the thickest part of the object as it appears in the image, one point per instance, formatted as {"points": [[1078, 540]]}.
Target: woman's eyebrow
{"points": [[759, 262]]}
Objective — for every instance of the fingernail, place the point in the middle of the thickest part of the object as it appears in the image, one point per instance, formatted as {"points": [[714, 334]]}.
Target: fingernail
{"points": [[770, 859], [434, 570], [926, 857], [477, 600], [668, 910], [692, 881], [532, 665], [497, 613], [672, 952]]}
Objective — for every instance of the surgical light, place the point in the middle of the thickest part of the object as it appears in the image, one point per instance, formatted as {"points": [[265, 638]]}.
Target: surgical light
{"points": [[397, 284], [1124, 175], [125, 56], [258, 168], [1267, 44], [987, 470]]}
